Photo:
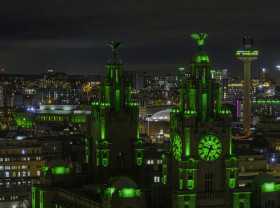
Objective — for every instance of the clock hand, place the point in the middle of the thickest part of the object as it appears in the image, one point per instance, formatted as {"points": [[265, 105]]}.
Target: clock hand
{"points": [[210, 149]]}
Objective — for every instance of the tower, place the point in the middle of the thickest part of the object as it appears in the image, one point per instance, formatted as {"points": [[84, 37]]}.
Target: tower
{"points": [[113, 145], [200, 170], [247, 56]]}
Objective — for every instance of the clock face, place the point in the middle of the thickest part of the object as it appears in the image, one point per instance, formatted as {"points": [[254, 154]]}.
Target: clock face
{"points": [[209, 148], [177, 147]]}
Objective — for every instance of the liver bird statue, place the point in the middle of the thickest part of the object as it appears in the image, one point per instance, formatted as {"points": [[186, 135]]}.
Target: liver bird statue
{"points": [[199, 39], [115, 46]]}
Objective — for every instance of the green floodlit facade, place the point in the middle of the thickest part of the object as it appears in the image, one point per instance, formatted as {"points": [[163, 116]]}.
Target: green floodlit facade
{"points": [[60, 170], [113, 138], [124, 192], [270, 187], [24, 120], [200, 168]]}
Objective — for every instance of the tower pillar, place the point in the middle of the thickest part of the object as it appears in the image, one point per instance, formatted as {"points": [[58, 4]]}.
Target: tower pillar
{"points": [[247, 56], [246, 101]]}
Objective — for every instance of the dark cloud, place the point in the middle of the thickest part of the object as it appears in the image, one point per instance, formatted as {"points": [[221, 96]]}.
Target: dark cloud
{"points": [[71, 35]]}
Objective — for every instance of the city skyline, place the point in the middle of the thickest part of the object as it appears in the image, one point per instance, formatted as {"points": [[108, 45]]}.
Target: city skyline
{"points": [[71, 37]]}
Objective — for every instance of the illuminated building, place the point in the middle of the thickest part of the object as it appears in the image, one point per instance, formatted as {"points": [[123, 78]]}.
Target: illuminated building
{"points": [[21, 162], [265, 191], [201, 170], [222, 77], [265, 108], [263, 75], [247, 56], [113, 149], [113, 137], [53, 79]]}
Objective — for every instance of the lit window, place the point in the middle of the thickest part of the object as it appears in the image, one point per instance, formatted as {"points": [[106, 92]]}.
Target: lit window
{"points": [[38, 173], [7, 167], [7, 174], [156, 179], [1, 167], [159, 161], [22, 151], [18, 174]]}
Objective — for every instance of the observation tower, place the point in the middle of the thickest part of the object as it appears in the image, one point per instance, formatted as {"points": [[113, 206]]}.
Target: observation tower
{"points": [[247, 55]]}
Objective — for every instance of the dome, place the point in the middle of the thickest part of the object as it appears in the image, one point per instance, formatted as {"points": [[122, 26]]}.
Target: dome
{"points": [[261, 179], [114, 60], [57, 163], [161, 115], [200, 57], [124, 182]]}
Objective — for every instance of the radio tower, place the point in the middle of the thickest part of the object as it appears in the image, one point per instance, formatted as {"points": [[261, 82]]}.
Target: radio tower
{"points": [[247, 56]]}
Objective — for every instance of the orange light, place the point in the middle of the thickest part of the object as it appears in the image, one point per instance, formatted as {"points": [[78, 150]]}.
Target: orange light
{"points": [[2, 70]]}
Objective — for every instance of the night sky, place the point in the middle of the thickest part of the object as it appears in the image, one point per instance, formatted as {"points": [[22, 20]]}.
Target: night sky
{"points": [[72, 35]]}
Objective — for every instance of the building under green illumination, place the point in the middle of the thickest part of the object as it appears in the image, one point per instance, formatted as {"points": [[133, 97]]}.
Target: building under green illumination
{"points": [[113, 137], [200, 169]]}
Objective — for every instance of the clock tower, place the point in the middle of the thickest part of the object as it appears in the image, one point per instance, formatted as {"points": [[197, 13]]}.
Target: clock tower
{"points": [[200, 169]]}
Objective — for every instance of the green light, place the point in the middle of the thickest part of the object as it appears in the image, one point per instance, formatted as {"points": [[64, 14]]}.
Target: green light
{"points": [[180, 184], [105, 162], [139, 161], [87, 151], [33, 197], [110, 191], [45, 169], [102, 127], [181, 69], [129, 193], [200, 59], [41, 199], [190, 184], [177, 147], [232, 183], [187, 142], [268, 187], [209, 148], [117, 76], [60, 170], [199, 38]]}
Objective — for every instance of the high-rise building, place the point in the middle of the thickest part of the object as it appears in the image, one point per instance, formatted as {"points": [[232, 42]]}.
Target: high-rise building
{"points": [[200, 170], [21, 162], [263, 75]]}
